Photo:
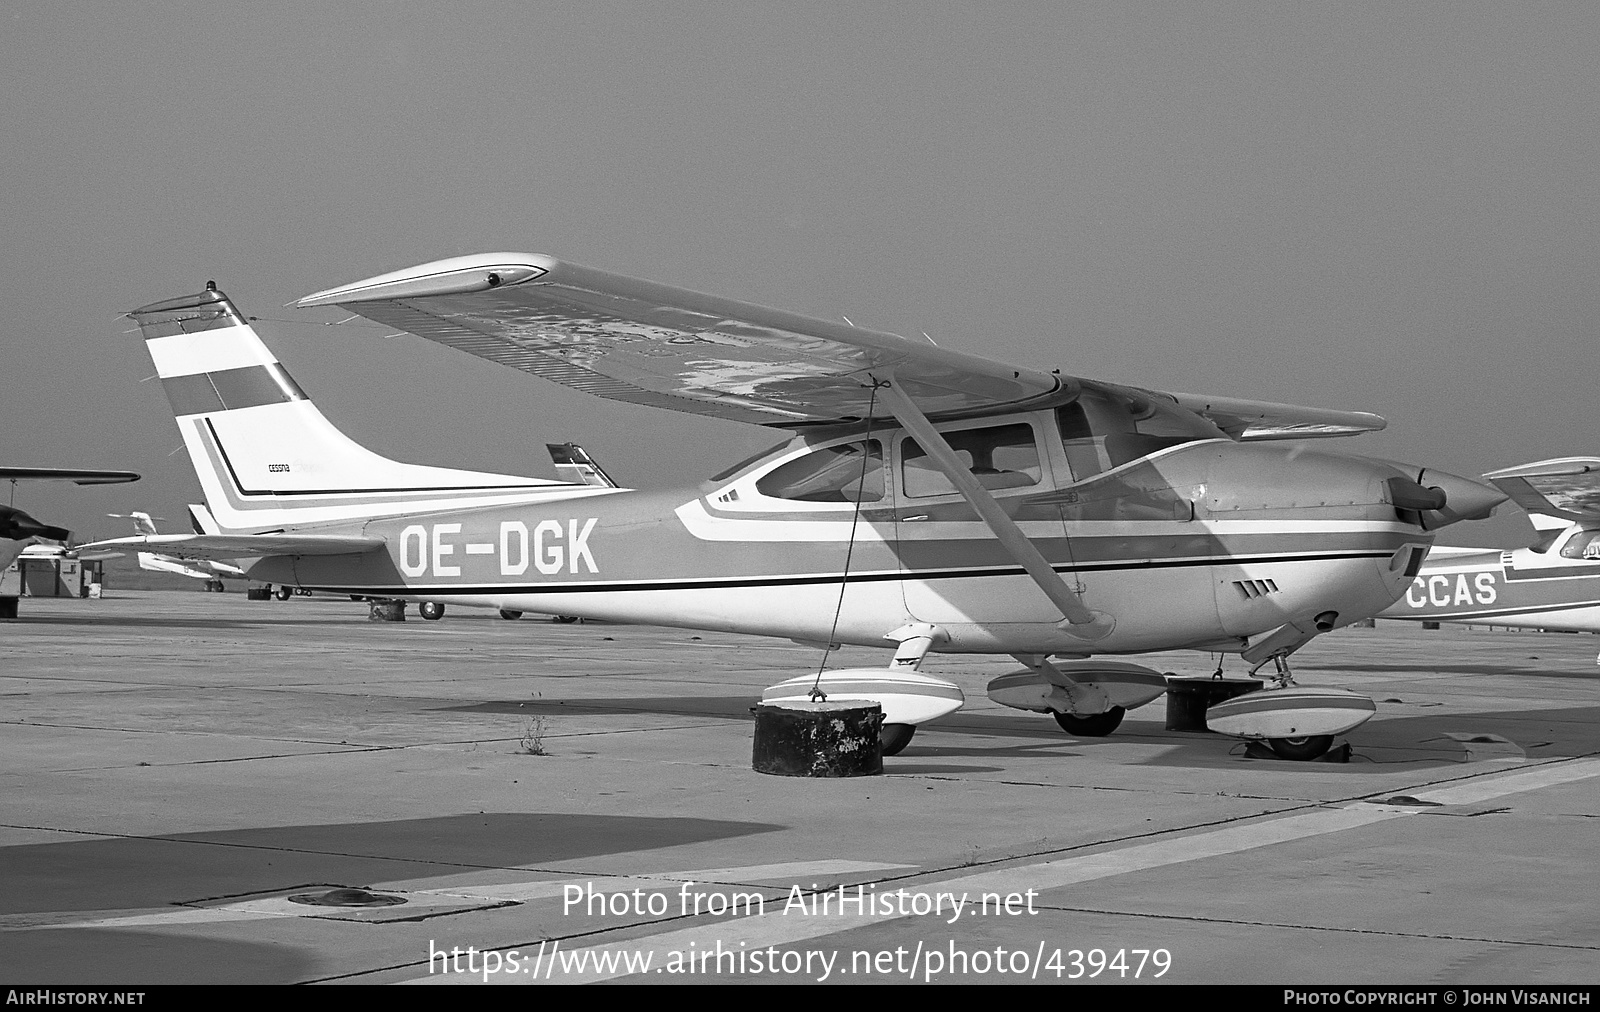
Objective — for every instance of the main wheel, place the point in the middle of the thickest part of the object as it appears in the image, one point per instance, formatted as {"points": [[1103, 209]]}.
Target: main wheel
{"points": [[895, 737], [1094, 726], [1301, 749], [282, 593], [431, 610], [507, 613], [565, 619]]}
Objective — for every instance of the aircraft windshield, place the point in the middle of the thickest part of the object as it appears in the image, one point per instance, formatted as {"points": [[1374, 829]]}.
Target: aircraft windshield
{"points": [[729, 472], [1000, 456], [1104, 429], [842, 473]]}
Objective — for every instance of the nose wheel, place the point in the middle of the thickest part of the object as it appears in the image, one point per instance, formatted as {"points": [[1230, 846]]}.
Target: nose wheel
{"points": [[1301, 749], [895, 737], [1096, 725]]}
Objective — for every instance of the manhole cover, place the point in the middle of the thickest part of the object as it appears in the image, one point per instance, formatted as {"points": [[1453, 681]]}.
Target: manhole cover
{"points": [[346, 898], [1408, 800]]}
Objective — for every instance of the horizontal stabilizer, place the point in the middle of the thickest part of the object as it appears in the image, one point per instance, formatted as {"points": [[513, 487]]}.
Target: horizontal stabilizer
{"points": [[239, 546], [77, 474], [1567, 487]]}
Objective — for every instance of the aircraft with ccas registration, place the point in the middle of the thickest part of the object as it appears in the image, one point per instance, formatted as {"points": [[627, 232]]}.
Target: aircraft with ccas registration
{"points": [[1553, 584], [927, 498]]}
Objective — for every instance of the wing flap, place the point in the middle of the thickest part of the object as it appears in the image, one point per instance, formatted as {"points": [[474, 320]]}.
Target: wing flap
{"points": [[1566, 487], [239, 546]]}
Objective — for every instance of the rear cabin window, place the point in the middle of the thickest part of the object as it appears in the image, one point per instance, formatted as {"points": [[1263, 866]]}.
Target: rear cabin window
{"points": [[1000, 456], [845, 473]]}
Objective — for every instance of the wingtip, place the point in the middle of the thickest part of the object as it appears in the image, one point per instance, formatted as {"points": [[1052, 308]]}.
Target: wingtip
{"points": [[453, 276]]}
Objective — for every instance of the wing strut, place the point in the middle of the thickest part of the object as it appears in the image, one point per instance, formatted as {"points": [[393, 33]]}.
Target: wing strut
{"points": [[1078, 620]]}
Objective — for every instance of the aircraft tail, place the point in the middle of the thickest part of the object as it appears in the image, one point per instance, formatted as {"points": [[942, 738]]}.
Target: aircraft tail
{"points": [[143, 523], [265, 456]]}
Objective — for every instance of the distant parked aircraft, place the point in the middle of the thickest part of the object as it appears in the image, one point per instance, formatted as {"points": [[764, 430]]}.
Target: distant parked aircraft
{"points": [[210, 570], [18, 530], [1555, 584]]}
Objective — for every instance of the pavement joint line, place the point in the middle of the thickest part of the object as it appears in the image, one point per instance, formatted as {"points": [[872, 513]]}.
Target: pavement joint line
{"points": [[271, 848], [1420, 935], [331, 750], [1331, 817]]}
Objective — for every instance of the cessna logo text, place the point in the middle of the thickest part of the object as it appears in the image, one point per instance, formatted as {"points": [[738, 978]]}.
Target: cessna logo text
{"points": [[549, 547]]}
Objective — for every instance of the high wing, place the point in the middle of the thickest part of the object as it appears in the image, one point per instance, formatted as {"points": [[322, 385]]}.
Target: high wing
{"points": [[77, 474], [239, 546], [630, 340], [1251, 420], [1567, 487]]}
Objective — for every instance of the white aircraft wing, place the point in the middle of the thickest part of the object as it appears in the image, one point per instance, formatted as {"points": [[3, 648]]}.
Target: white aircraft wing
{"points": [[239, 546], [651, 344], [1567, 487], [77, 474]]}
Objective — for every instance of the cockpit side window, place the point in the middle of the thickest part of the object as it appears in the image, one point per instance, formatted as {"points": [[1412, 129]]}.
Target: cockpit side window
{"points": [[843, 473], [999, 456], [1582, 545]]}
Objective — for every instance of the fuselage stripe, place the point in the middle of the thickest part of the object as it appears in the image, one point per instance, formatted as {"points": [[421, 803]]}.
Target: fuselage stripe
{"points": [[417, 590]]}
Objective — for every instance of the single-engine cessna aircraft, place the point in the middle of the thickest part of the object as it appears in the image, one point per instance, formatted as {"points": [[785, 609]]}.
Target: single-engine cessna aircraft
{"points": [[928, 498], [1555, 584], [18, 530], [210, 570]]}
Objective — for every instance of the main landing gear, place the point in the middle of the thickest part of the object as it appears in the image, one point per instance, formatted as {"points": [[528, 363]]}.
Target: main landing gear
{"points": [[431, 610]]}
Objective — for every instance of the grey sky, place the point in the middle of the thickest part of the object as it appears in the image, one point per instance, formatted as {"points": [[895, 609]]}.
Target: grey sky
{"points": [[1384, 207]]}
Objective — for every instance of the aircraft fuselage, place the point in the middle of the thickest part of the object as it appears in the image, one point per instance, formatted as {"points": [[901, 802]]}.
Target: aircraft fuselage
{"points": [[1522, 589], [1201, 544]]}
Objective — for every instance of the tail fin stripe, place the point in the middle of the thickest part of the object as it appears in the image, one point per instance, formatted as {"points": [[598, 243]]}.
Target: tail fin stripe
{"points": [[229, 389], [191, 395], [219, 456]]}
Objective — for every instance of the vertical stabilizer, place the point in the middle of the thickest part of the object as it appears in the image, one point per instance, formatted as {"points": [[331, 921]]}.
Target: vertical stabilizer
{"points": [[575, 465], [265, 456]]}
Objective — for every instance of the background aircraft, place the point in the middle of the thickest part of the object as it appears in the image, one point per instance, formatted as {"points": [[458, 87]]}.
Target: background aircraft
{"points": [[929, 498], [210, 570], [18, 530], [1554, 584]]}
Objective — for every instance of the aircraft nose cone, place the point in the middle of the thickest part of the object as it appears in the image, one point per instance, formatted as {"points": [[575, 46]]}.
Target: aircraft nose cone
{"points": [[1465, 499]]}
